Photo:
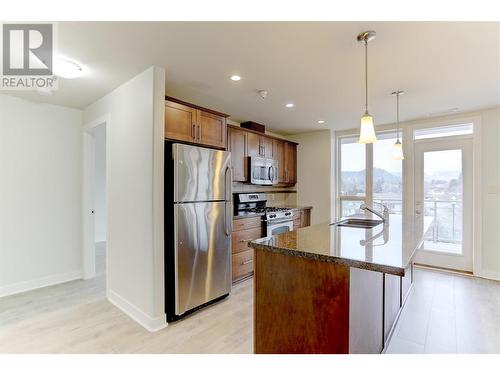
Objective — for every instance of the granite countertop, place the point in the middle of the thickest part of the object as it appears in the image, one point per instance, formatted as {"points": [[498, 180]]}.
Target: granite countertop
{"points": [[390, 251], [247, 214]]}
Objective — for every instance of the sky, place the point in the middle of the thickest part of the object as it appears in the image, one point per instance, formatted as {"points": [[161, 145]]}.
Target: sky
{"points": [[353, 158]]}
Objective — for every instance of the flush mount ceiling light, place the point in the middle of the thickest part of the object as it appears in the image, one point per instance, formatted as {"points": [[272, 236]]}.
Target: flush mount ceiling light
{"points": [[367, 131], [321, 121], [398, 147], [44, 91], [235, 78], [290, 105], [67, 69]]}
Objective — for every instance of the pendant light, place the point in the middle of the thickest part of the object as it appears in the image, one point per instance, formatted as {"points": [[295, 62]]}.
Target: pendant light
{"points": [[398, 147], [367, 131]]}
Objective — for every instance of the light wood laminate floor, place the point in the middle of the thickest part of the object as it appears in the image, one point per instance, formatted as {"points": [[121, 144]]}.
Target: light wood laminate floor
{"points": [[445, 313]]}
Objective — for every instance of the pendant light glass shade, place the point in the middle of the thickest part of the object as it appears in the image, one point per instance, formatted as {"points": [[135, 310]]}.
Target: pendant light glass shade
{"points": [[398, 151], [398, 147], [367, 131]]}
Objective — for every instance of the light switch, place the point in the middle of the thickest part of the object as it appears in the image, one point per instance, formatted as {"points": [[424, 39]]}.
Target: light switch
{"points": [[493, 189]]}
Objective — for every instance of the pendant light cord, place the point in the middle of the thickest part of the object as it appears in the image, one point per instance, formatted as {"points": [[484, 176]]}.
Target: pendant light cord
{"points": [[397, 113], [366, 76]]}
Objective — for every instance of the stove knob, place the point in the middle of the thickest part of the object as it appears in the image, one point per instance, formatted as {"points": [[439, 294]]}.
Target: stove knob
{"points": [[288, 213], [272, 216]]}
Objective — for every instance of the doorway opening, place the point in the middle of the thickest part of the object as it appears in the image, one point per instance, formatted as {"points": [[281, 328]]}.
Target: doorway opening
{"points": [[95, 233]]}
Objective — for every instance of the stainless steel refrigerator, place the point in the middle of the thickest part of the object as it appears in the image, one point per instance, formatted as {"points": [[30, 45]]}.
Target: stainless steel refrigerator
{"points": [[199, 224]]}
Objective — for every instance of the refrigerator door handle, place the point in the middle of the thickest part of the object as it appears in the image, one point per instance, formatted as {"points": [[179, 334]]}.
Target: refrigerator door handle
{"points": [[228, 225]]}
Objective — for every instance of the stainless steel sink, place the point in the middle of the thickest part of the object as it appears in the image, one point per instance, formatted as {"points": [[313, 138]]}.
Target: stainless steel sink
{"points": [[357, 223]]}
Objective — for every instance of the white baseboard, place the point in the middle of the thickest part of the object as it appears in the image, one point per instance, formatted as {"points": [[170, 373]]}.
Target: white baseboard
{"points": [[25, 286], [489, 274], [151, 324]]}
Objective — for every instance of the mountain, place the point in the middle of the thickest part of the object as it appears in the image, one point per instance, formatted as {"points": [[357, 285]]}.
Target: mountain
{"points": [[353, 182]]}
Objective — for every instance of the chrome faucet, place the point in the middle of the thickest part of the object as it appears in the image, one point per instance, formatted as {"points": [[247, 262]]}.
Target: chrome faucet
{"points": [[384, 215]]}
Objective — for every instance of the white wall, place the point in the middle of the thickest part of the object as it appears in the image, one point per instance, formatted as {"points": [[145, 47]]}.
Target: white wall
{"points": [[100, 184], [490, 192], [314, 173], [135, 195], [40, 194]]}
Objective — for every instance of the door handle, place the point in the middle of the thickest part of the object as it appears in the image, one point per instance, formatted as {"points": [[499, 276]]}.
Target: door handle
{"points": [[228, 220]]}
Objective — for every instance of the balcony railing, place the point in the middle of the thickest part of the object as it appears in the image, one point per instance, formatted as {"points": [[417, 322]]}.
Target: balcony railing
{"points": [[447, 214]]}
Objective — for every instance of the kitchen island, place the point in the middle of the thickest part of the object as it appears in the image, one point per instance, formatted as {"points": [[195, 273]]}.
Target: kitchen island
{"points": [[333, 289]]}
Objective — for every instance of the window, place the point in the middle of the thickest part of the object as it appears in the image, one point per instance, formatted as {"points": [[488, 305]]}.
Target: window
{"points": [[369, 174], [387, 187], [352, 161], [352, 176], [444, 131]]}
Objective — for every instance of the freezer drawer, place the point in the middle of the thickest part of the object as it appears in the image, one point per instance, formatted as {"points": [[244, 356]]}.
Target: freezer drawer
{"points": [[202, 253], [201, 174]]}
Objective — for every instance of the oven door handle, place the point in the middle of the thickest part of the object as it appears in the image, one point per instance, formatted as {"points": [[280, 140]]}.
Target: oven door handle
{"points": [[272, 222]]}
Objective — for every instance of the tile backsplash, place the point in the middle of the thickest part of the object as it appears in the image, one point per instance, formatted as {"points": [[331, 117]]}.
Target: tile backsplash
{"points": [[276, 195]]}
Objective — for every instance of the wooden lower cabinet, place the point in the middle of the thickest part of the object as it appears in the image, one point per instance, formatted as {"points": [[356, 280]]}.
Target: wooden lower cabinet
{"points": [[302, 218], [244, 230], [242, 264], [251, 228]]}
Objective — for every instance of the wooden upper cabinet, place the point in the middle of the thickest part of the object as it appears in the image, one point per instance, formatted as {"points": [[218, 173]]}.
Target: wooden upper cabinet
{"points": [[260, 145], [254, 147], [267, 147], [180, 122], [237, 144], [190, 123], [279, 155], [290, 163], [244, 143], [211, 129]]}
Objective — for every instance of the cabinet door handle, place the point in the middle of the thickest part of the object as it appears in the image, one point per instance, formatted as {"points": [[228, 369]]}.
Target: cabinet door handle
{"points": [[246, 262], [199, 133], [193, 131], [245, 240]]}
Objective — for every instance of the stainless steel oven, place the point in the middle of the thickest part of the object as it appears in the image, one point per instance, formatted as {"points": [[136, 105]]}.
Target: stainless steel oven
{"points": [[263, 171], [278, 226]]}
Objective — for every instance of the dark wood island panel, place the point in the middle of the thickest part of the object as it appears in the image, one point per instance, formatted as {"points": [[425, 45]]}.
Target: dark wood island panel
{"points": [[301, 305]]}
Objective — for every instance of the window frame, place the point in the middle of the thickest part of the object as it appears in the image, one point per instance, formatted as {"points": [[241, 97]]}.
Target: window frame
{"points": [[368, 197]]}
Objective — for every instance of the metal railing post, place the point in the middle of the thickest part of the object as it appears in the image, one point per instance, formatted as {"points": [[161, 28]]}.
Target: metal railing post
{"points": [[435, 233], [453, 222]]}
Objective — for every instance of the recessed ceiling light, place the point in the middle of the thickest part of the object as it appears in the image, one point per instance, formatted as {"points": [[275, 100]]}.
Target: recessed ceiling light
{"points": [[290, 105], [235, 78], [67, 69], [321, 121]]}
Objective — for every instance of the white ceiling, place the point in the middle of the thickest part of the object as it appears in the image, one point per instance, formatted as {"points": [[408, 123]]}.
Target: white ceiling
{"points": [[316, 65]]}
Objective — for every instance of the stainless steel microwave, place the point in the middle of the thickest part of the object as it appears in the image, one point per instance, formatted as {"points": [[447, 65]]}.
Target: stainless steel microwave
{"points": [[263, 171]]}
